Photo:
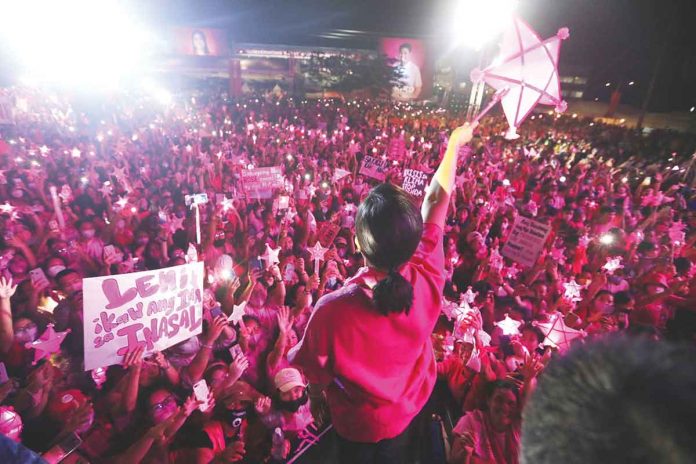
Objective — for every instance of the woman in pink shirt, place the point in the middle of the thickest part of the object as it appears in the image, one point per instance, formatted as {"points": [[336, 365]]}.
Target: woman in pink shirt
{"points": [[367, 348]]}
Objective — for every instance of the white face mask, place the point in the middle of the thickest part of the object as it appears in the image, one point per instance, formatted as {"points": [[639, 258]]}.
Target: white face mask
{"points": [[54, 270], [88, 233]]}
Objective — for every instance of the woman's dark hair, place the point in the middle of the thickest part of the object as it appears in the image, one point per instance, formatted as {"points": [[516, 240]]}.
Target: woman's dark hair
{"points": [[389, 227], [502, 385]]}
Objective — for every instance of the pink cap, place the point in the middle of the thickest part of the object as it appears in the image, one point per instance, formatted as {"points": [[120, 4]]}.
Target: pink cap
{"points": [[287, 379]]}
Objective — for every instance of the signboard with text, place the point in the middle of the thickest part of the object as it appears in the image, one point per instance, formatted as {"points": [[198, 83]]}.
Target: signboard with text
{"points": [[527, 239], [155, 309], [261, 182], [375, 168]]}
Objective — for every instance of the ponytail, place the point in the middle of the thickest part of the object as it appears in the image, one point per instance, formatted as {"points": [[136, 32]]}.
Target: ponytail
{"points": [[393, 294]]}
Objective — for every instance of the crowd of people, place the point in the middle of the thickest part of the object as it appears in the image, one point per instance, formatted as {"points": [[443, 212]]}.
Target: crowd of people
{"points": [[619, 258]]}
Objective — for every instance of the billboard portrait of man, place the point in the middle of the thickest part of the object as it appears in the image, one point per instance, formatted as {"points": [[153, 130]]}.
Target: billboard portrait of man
{"points": [[409, 58]]}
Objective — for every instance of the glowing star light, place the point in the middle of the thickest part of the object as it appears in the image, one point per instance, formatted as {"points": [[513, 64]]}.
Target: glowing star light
{"points": [[226, 204], [613, 264], [47, 344], [572, 291], [509, 326], [270, 257], [527, 71], [317, 252], [238, 313], [6, 208], [122, 202]]}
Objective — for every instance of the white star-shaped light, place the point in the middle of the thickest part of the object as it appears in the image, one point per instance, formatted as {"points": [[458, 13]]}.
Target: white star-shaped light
{"points": [[176, 223], [509, 326], [470, 296], [226, 204], [613, 264], [44, 149], [122, 202], [558, 334], [120, 173], [270, 257], [572, 291], [105, 189], [238, 312], [47, 344], [311, 190], [317, 251], [75, 153], [6, 208]]}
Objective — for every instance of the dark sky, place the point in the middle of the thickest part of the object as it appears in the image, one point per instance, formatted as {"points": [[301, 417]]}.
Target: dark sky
{"points": [[615, 40]]}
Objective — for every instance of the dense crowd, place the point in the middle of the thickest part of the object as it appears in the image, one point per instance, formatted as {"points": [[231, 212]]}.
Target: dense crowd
{"points": [[619, 258]]}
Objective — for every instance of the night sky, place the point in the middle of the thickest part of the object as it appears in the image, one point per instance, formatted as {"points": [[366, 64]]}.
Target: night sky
{"points": [[614, 40]]}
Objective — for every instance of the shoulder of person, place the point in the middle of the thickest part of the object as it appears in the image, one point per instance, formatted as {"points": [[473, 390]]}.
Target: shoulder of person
{"points": [[470, 422]]}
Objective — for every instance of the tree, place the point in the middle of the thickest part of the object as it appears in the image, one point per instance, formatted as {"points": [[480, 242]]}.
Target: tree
{"points": [[347, 73]]}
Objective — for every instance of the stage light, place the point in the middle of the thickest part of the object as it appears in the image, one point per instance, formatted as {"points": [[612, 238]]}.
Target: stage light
{"points": [[476, 22], [82, 43]]}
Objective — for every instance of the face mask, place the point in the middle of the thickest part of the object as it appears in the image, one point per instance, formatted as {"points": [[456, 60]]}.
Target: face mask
{"points": [[89, 233], [294, 406], [17, 193], [143, 241], [25, 336], [332, 281], [54, 270]]}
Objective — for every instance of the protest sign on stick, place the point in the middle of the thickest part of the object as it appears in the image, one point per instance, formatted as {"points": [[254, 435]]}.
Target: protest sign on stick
{"points": [[262, 182], [526, 241], [155, 309]]}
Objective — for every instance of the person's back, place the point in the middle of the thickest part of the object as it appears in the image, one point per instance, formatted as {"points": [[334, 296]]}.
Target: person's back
{"points": [[615, 401]]}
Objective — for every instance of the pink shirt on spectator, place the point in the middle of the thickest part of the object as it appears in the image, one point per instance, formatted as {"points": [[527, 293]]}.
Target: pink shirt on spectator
{"points": [[380, 370]]}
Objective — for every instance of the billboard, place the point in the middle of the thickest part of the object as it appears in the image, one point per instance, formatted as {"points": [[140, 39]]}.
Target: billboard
{"points": [[199, 41], [416, 73]]}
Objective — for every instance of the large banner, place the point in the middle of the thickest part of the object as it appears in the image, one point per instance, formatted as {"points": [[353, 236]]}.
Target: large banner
{"points": [[415, 182], [527, 239], [261, 182], [199, 42], [374, 167], [416, 73], [157, 309]]}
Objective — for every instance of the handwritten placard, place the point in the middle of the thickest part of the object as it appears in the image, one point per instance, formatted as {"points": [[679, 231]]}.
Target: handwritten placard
{"points": [[155, 309], [375, 168], [261, 182], [526, 241], [415, 182]]}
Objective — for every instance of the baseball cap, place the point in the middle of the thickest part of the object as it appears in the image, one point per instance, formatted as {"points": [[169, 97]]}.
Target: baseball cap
{"points": [[287, 379]]}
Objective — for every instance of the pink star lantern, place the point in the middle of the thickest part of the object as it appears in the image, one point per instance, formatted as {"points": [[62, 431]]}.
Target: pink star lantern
{"points": [[526, 71], [238, 312], [509, 326], [572, 291], [226, 204], [558, 334], [613, 264], [311, 190], [106, 189], [317, 252], [47, 344], [558, 255], [176, 223], [340, 174], [270, 257], [448, 308]]}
